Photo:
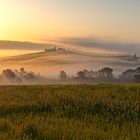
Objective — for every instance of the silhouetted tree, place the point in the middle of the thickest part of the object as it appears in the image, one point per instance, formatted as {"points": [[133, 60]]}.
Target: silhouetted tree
{"points": [[30, 76], [108, 73], [8, 73], [86, 72], [81, 75], [137, 78], [101, 75], [22, 70], [63, 75], [138, 70], [128, 75], [91, 74]]}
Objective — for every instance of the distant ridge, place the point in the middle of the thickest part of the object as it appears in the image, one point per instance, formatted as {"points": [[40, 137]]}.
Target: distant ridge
{"points": [[19, 45]]}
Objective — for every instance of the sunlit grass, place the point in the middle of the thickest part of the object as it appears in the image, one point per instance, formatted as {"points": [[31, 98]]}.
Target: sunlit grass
{"points": [[110, 112]]}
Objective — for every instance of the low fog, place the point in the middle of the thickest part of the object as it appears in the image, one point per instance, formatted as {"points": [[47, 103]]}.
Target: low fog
{"points": [[19, 77], [106, 45], [104, 75], [48, 60]]}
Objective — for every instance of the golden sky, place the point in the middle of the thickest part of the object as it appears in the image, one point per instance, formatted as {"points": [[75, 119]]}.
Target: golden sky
{"points": [[31, 20]]}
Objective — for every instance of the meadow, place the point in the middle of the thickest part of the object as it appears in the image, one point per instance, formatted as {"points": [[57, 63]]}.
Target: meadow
{"points": [[70, 112]]}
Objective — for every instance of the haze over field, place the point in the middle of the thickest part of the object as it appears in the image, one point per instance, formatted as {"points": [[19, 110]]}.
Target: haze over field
{"points": [[94, 34], [69, 69], [50, 62]]}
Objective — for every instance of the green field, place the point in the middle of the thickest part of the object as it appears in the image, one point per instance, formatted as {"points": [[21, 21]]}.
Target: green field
{"points": [[72, 112]]}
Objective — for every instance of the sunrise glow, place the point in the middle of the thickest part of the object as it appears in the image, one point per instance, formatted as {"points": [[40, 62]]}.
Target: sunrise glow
{"points": [[35, 19]]}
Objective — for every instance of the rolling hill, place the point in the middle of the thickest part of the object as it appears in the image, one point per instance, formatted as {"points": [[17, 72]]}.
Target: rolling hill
{"points": [[51, 62]]}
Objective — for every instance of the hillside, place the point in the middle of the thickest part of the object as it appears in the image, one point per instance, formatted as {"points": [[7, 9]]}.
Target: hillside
{"points": [[51, 62], [18, 45]]}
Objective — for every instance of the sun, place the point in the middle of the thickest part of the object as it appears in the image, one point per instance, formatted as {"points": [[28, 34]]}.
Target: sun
{"points": [[5, 22]]}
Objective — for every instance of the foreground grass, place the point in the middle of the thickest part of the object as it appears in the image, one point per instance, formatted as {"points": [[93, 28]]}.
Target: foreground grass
{"points": [[80, 112]]}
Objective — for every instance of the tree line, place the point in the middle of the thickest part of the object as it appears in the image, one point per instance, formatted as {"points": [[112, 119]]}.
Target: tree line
{"points": [[18, 76], [87, 76], [104, 75]]}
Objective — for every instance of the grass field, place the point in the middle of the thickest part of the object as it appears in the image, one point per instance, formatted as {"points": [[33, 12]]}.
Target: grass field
{"points": [[73, 112]]}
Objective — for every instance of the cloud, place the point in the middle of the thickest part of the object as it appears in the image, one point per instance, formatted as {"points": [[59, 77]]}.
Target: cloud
{"points": [[17, 45], [123, 47], [76, 42]]}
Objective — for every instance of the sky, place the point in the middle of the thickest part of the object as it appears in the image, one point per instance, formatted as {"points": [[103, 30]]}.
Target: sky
{"points": [[33, 20]]}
